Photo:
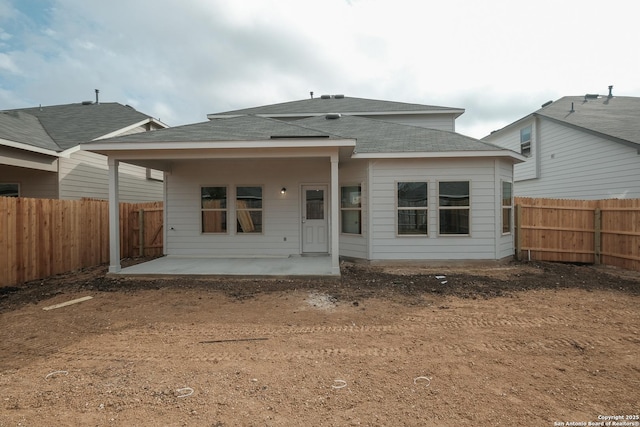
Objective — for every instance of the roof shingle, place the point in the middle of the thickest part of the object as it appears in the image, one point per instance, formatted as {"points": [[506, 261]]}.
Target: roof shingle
{"points": [[337, 104], [617, 116], [71, 124]]}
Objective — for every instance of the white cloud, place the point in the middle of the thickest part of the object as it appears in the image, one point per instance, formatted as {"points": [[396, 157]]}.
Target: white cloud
{"points": [[498, 59], [7, 64]]}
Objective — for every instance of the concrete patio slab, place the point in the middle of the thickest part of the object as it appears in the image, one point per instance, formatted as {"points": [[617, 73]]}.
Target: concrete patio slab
{"points": [[247, 267]]}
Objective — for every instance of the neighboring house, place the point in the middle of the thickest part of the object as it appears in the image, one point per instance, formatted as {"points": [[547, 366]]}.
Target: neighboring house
{"points": [[336, 184], [578, 147], [40, 153]]}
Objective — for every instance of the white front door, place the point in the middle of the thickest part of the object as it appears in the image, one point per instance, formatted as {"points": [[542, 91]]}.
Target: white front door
{"points": [[315, 229]]}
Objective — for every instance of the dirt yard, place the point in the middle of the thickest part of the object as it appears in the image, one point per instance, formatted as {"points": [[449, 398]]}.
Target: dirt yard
{"points": [[510, 345]]}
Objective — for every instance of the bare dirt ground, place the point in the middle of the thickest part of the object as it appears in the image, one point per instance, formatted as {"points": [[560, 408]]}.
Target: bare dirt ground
{"points": [[534, 344]]}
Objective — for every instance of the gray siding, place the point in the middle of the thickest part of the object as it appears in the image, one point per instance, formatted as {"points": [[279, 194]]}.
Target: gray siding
{"points": [[568, 163], [579, 165], [482, 243], [33, 182], [281, 214], [510, 138], [85, 174]]}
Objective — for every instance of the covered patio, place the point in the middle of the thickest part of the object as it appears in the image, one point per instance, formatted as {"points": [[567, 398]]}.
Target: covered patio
{"points": [[292, 266]]}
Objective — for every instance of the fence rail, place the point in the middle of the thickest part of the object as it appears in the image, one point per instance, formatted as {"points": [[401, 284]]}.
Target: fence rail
{"points": [[42, 237], [585, 231]]}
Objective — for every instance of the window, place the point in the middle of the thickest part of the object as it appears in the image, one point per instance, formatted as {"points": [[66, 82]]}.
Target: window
{"points": [[155, 175], [249, 209], [351, 209], [412, 208], [9, 190], [525, 141], [213, 203], [507, 206], [454, 207]]}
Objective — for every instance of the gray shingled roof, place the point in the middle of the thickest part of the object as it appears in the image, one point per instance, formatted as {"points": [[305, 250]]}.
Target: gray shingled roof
{"points": [[377, 136], [343, 105], [618, 116], [242, 128], [372, 136], [24, 128], [72, 124]]}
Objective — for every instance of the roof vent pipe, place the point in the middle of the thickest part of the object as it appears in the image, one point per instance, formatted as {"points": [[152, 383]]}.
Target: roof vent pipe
{"points": [[311, 93], [97, 100], [572, 110], [611, 91]]}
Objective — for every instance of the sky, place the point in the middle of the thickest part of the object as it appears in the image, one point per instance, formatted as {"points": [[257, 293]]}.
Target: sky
{"points": [[179, 60]]}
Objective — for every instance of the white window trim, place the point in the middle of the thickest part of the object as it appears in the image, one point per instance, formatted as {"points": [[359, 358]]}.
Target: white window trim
{"points": [[14, 183], [227, 210], [236, 210], [397, 208], [454, 207], [503, 207], [351, 209], [526, 144]]}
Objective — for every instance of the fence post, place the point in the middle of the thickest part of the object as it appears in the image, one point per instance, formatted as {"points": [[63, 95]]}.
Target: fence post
{"points": [[518, 231], [597, 236], [141, 231]]}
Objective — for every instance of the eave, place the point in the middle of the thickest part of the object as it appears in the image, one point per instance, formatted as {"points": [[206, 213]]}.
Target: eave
{"points": [[27, 147], [512, 155]]}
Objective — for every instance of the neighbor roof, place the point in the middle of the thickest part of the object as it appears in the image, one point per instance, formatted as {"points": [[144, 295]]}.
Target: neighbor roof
{"points": [[71, 124], [616, 116], [338, 104], [17, 126]]}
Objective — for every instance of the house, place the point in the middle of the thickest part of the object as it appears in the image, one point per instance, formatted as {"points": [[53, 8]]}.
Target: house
{"points": [[335, 184], [578, 147], [40, 153], [427, 116]]}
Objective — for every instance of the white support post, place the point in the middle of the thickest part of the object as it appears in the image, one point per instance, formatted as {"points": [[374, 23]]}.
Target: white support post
{"points": [[114, 217], [335, 209]]}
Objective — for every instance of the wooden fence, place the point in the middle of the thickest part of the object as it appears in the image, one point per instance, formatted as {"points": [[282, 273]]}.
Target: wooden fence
{"points": [[581, 231], [41, 237]]}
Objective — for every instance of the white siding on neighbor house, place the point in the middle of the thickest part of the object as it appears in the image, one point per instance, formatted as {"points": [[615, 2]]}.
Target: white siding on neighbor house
{"points": [[85, 174], [33, 182], [354, 172], [281, 213], [483, 243], [510, 139], [580, 165]]}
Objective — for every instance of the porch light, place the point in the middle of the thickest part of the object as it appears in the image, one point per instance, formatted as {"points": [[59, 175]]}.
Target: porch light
{"points": [[283, 190]]}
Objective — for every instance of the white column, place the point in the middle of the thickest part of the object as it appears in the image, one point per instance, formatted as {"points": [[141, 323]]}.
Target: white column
{"points": [[114, 217], [335, 209]]}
